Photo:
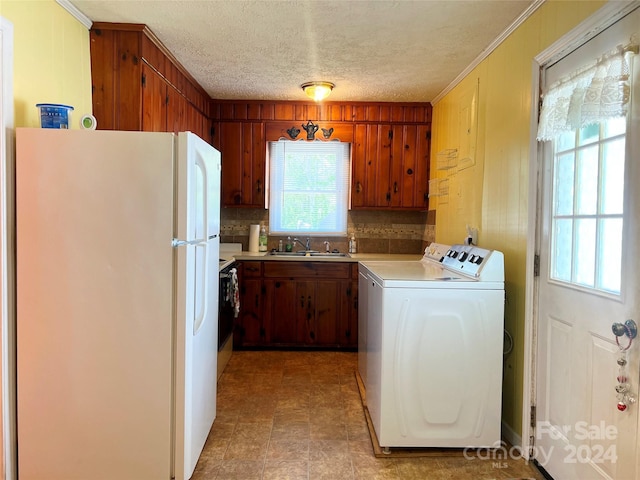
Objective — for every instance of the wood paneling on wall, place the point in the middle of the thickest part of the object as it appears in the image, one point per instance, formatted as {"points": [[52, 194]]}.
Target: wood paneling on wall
{"points": [[228, 110]]}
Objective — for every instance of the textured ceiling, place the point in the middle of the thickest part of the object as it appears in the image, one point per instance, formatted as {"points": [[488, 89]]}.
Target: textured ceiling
{"points": [[373, 50]]}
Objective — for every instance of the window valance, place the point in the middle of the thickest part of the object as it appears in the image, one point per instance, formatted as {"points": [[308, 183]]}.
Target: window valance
{"points": [[593, 93]]}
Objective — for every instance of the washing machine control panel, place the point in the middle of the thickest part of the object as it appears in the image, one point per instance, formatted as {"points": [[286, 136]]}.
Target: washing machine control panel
{"points": [[466, 259]]}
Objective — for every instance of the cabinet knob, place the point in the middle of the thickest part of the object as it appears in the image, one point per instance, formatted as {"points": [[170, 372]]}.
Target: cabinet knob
{"points": [[409, 171]]}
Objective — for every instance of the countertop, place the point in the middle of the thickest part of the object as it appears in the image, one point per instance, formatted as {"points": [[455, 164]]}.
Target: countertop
{"points": [[353, 258]]}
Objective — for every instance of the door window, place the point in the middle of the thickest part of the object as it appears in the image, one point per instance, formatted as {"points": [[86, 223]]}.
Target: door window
{"points": [[588, 206]]}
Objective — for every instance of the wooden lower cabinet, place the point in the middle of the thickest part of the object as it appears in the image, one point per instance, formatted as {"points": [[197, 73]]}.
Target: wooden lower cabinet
{"points": [[318, 312], [297, 304], [249, 328], [280, 311]]}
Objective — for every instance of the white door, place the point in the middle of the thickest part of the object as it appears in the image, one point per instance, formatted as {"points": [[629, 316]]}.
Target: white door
{"points": [[588, 281], [198, 223]]}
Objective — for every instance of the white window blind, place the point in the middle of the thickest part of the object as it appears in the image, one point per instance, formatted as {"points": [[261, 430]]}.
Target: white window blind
{"points": [[591, 95], [309, 187]]}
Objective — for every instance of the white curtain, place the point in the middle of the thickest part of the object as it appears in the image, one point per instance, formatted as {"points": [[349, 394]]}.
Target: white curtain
{"points": [[594, 93]]}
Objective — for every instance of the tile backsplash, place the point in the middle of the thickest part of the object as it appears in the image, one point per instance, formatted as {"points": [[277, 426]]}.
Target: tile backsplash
{"points": [[376, 231]]}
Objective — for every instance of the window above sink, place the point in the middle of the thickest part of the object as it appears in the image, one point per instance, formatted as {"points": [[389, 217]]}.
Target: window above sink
{"points": [[308, 187]]}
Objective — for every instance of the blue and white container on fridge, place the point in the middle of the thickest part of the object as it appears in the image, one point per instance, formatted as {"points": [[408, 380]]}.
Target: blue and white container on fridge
{"points": [[54, 115]]}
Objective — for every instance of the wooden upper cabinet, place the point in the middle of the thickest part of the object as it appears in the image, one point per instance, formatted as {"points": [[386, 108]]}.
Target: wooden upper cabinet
{"points": [[243, 149], [390, 167], [138, 85], [154, 101]]}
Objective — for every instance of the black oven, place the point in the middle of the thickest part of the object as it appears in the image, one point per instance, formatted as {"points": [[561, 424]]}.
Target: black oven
{"points": [[227, 300]]}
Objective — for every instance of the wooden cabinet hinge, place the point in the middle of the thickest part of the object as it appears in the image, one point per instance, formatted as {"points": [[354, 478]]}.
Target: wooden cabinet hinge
{"points": [[536, 265], [144, 80]]}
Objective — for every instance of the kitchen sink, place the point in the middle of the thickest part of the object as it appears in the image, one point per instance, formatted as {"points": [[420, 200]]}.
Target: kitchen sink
{"points": [[311, 253]]}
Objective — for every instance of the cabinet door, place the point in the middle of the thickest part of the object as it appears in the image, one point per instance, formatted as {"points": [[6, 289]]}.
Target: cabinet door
{"points": [[305, 311], [382, 153], [421, 175], [280, 311], [402, 146], [255, 151], [154, 101], [176, 111], [359, 167], [327, 311], [348, 315], [243, 151], [250, 330], [410, 166], [230, 139], [370, 169], [317, 311]]}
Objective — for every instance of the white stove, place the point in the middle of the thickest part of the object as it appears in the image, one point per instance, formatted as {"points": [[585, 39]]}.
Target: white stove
{"points": [[430, 347]]}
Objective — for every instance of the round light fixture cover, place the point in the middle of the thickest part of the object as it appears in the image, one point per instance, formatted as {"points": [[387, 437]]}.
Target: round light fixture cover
{"points": [[317, 90]]}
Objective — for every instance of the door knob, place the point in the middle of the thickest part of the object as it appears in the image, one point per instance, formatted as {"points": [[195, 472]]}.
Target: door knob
{"points": [[628, 328]]}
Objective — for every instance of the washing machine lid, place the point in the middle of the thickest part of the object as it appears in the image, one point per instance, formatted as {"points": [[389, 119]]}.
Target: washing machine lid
{"points": [[461, 266]]}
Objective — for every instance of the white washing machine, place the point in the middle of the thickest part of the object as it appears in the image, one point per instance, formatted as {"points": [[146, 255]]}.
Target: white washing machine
{"points": [[430, 347]]}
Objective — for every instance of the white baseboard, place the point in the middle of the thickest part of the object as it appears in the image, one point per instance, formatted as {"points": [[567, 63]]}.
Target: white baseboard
{"points": [[510, 436]]}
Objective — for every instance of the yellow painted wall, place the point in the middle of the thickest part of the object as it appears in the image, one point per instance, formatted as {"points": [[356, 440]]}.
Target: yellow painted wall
{"points": [[51, 59], [494, 193]]}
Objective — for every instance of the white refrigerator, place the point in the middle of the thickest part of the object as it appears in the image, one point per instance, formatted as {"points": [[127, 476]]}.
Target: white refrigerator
{"points": [[117, 292]]}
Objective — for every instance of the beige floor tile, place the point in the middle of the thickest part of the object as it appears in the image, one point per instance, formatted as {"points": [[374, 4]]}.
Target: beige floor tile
{"points": [[286, 470], [330, 469], [283, 449], [323, 431], [290, 431], [320, 450], [240, 470], [367, 467]]}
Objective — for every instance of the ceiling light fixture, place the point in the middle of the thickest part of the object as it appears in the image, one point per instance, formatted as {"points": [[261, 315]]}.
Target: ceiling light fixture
{"points": [[317, 90]]}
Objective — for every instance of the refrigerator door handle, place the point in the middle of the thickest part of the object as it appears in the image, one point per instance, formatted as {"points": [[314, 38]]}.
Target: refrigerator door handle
{"points": [[199, 320], [181, 243], [205, 193]]}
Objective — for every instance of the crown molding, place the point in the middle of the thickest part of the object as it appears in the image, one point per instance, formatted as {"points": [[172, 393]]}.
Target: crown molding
{"points": [[75, 13], [609, 14], [487, 51]]}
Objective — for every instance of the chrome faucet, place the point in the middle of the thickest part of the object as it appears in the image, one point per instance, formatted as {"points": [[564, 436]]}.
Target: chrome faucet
{"points": [[307, 247], [327, 246]]}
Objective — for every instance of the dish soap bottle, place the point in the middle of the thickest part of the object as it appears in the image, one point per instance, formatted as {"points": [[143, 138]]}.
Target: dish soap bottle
{"points": [[288, 247], [352, 244], [262, 239]]}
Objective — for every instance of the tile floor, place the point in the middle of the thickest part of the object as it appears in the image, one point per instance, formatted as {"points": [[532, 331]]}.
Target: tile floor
{"points": [[298, 415]]}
